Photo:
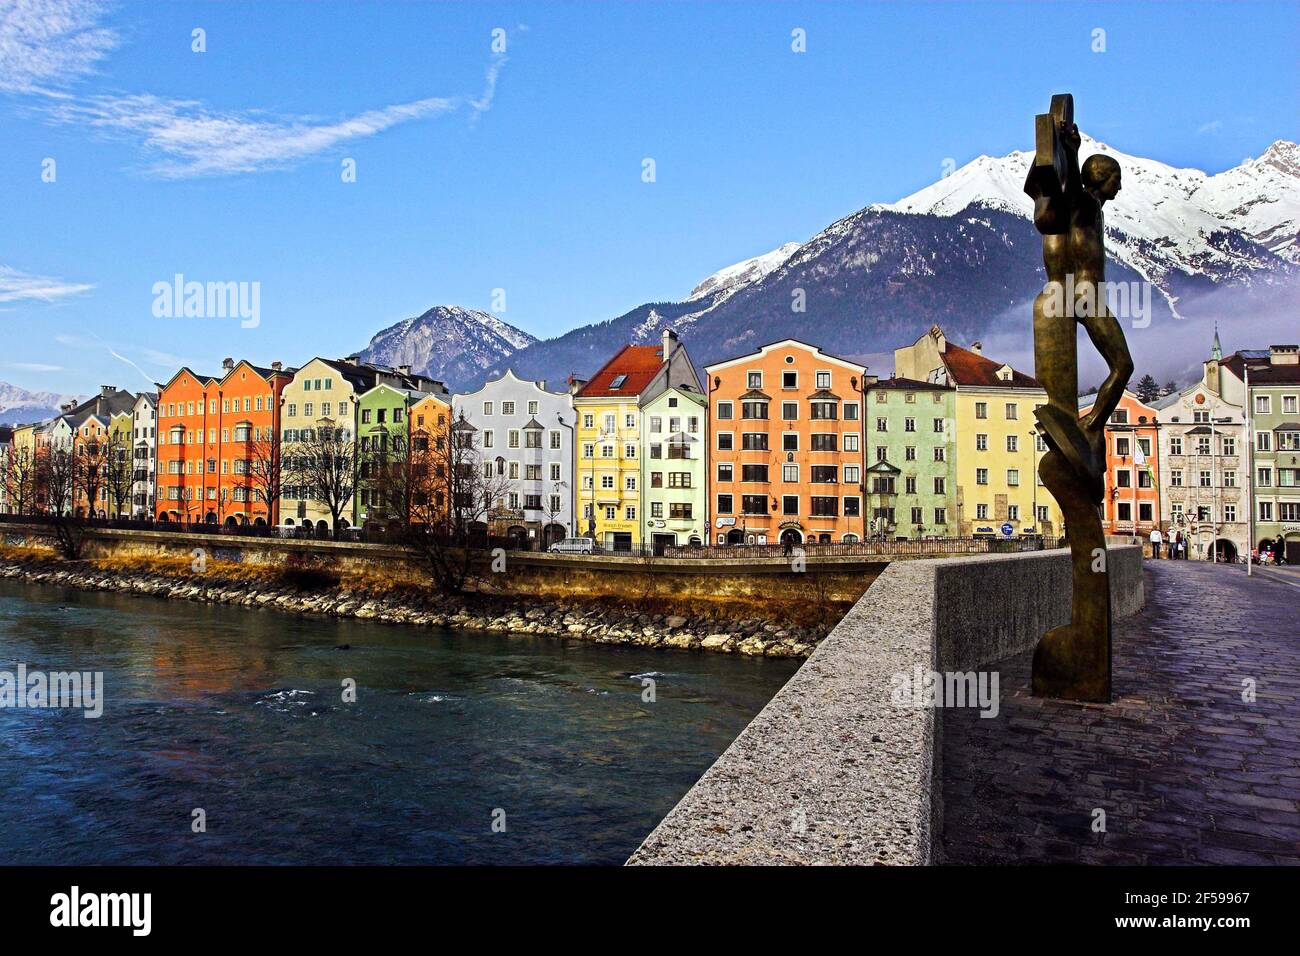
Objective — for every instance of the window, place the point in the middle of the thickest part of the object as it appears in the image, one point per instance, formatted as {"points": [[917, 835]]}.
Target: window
{"points": [[852, 474], [1205, 480], [1013, 512], [850, 411], [981, 476], [1266, 511], [753, 473], [790, 441], [755, 379], [823, 379], [1264, 477], [882, 424], [851, 441], [824, 474], [909, 453], [1229, 445], [1122, 447], [753, 504], [1289, 404], [824, 507], [1263, 441], [1263, 404], [753, 441], [938, 453], [909, 485], [1229, 513], [1013, 443], [916, 516], [726, 441], [1120, 417], [1175, 445], [679, 510], [940, 486], [724, 411], [789, 379], [724, 472], [823, 442], [790, 474], [1123, 478], [909, 424], [1012, 409], [790, 411], [1176, 477], [824, 411], [753, 410], [679, 479], [940, 515], [790, 504], [981, 409], [852, 506], [981, 512], [724, 504]]}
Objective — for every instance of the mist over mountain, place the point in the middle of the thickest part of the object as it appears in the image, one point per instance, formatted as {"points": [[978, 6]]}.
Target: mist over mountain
{"points": [[19, 406]]}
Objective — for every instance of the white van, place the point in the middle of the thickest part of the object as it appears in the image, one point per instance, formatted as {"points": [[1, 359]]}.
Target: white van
{"points": [[574, 546]]}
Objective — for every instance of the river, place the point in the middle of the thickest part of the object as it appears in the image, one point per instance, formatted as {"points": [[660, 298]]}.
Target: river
{"points": [[460, 748]]}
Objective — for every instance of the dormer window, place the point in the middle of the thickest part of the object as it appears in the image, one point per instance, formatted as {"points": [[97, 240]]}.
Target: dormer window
{"points": [[1005, 373], [618, 382]]}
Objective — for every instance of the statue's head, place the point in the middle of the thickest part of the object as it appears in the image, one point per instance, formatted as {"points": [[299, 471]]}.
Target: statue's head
{"points": [[1101, 176]]}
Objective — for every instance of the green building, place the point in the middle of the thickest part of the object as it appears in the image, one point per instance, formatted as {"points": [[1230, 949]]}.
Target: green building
{"points": [[1273, 404], [382, 435], [673, 468], [911, 459]]}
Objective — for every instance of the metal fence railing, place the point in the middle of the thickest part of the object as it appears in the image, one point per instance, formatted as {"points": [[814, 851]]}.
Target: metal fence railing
{"points": [[905, 547]]}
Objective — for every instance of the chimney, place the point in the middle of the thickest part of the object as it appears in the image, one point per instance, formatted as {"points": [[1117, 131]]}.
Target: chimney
{"points": [[541, 383], [227, 363], [353, 359], [670, 344], [1284, 355], [977, 348], [106, 390], [404, 369], [277, 366], [575, 384]]}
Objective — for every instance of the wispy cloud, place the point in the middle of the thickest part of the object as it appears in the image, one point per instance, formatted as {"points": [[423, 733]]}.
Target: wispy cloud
{"points": [[45, 45], [1213, 126], [18, 286], [50, 42], [34, 367]]}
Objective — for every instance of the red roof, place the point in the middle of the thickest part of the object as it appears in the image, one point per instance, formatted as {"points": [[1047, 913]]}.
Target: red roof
{"points": [[637, 363], [969, 368]]}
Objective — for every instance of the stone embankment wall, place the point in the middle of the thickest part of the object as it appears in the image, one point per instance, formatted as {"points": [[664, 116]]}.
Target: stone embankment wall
{"points": [[834, 581], [711, 628], [833, 770]]}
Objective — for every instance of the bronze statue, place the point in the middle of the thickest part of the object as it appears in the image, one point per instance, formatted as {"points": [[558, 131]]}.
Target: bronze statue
{"points": [[1073, 661]]}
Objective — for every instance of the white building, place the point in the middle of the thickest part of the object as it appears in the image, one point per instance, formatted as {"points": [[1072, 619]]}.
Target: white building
{"points": [[526, 435], [144, 454], [1205, 466]]}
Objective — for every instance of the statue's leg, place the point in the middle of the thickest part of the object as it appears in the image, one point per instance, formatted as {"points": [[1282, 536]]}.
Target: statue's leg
{"points": [[1108, 338], [1056, 364]]}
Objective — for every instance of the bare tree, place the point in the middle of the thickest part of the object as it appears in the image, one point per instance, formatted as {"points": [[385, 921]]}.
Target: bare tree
{"points": [[452, 491], [90, 474], [59, 470], [118, 477], [324, 463], [21, 467], [266, 472]]}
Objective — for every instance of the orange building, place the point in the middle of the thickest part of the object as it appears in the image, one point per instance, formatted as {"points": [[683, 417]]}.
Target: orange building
{"points": [[785, 447], [217, 438], [90, 473], [1132, 502]]}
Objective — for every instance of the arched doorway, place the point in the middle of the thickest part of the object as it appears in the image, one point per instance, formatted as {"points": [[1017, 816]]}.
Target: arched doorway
{"points": [[551, 534], [824, 538], [259, 521], [735, 536], [1225, 551], [849, 538], [322, 528], [210, 518], [791, 536], [231, 521]]}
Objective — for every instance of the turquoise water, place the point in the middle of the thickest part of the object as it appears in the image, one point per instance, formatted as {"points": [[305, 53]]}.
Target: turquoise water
{"points": [[239, 712]]}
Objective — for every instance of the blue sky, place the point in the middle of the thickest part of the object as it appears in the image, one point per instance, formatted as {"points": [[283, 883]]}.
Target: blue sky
{"points": [[522, 171]]}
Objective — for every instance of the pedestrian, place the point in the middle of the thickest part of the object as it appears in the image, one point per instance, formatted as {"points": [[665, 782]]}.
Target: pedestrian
{"points": [[1156, 539], [1279, 550], [1178, 544]]}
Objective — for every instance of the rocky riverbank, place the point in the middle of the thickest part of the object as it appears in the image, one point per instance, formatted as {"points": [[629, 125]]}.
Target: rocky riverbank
{"points": [[602, 624]]}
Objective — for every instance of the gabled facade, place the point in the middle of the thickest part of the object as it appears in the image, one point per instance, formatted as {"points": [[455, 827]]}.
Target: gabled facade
{"points": [[785, 447], [674, 468], [1205, 481], [383, 446], [525, 435], [1132, 498], [608, 409], [1273, 441], [91, 450], [999, 493], [144, 455], [213, 433], [911, 442]]}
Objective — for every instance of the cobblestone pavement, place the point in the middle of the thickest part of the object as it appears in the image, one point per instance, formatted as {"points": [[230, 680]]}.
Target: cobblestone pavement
{"points": [[1185, 770]]}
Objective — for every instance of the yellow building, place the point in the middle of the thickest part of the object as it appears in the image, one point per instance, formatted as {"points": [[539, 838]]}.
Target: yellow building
{"points": [[608, 462], [998, 447]]}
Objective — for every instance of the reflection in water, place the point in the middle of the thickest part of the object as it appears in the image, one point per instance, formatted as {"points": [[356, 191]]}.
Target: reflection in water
{"points": [[240, 712]]}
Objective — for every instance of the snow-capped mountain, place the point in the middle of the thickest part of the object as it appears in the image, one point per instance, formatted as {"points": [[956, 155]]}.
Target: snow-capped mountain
{"points": [[447, 342], [963, 252], [726, 281], [19, 406], [1165, 220]]}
